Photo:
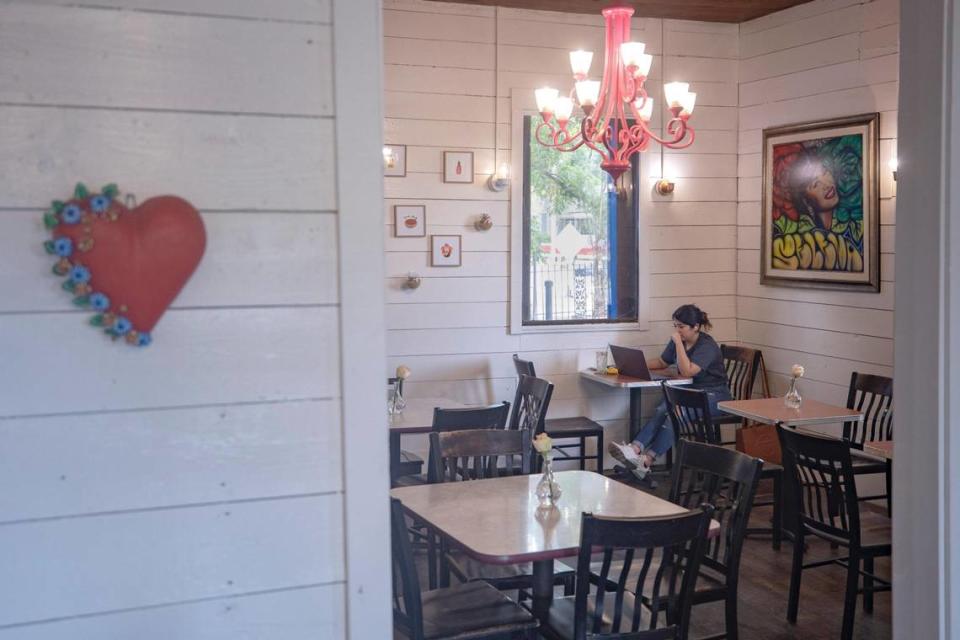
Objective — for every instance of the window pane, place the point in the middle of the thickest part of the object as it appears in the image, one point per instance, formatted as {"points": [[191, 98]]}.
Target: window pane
{"points": [[579, 237]]}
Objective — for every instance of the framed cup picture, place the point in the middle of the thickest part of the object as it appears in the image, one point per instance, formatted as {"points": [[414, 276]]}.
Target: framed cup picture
{"points": [[445, 251], [458, 166], [410, 220], [394, 160], [821, 205]]}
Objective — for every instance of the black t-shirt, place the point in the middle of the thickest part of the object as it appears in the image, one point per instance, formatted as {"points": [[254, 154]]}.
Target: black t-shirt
{"points": [[706, 354]]}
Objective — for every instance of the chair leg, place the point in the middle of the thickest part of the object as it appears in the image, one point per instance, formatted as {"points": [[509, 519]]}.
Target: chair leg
{"points": [[850, 598], [889, 490], [868, 584], [731, 618], [793, 599], [583, 453], [777, 511], [600, 451], [569, 582], [431, 560]]}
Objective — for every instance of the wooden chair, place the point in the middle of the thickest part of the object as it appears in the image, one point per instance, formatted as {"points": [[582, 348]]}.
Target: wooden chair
{"points": [[478, 454], [530, 406], [668, 551], [410, 463], [741, 365], [873, 395], [579, 427], [821, 485], [689, 411], [469, 610]]}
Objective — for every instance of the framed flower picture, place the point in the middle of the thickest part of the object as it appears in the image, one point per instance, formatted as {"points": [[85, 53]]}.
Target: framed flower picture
{"points": [[458, 166], [394, 160], [410, 220], [445, 251], [821, 205]]}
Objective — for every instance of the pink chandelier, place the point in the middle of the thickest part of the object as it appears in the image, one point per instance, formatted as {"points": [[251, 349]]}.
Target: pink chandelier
{"points": [[617, 111]]}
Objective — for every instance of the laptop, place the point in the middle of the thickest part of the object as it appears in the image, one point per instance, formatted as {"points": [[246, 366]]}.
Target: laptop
{"points": [[632, 362]]}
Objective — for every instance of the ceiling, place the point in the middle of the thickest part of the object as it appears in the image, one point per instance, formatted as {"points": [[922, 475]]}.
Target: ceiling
{"points": [[707, 10]]}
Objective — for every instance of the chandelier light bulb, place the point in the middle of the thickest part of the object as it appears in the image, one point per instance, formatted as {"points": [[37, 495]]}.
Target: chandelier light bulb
{"points": [[546, 99], [643, 66], [645, 111], [587, 92], [674, 92], [631, 52], [687, 103], [563, 107], [580, 61]]}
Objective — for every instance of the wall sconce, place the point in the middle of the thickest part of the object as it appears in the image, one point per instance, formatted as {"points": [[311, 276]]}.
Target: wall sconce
{"points": [[665, 187], [483, 223], [413, 281], [500, 180], [893, 167]]}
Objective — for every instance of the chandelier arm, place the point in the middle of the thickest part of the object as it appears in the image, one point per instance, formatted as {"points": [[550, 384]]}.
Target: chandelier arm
{"points": [[559, 139]]}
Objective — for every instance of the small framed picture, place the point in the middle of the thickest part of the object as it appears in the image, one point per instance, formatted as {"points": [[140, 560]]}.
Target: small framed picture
{"points": [[458, 166], [394, 160], [445, 251], [410, 220]]}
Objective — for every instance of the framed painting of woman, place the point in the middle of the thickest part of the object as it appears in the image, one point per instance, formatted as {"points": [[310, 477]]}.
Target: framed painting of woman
{"points": [[821, 205]]}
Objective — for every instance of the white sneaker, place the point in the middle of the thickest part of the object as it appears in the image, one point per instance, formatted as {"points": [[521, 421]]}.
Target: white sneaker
{"points": [[642, 468], [627, 451]]}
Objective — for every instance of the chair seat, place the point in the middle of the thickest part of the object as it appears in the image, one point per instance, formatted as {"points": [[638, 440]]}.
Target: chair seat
{"points": [[572, 427], [876, 538], [470, 610], [770, 469], [410, 463], [502, 576], [865, 463], [411, 480]]}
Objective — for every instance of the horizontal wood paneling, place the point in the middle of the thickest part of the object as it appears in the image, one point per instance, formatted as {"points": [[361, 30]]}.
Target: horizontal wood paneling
{"points": [[317, 11], [107, 563], [235, 162], [297, 614], [150, 459], [240, 57]]}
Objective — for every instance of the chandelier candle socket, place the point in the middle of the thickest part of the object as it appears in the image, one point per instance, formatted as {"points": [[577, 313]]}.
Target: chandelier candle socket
{"points": [[616, 111]]}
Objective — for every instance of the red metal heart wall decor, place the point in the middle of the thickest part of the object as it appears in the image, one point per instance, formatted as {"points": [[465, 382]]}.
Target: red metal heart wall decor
{"points": [[127, 264]]}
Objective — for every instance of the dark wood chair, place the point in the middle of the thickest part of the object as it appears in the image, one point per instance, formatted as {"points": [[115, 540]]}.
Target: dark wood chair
{"points": [[742, 365], [580, 428], [478, 454], [530, 406], [689, 411], [667, 552], [823, 490], [410, 463], [469, 610], [873, 395]]}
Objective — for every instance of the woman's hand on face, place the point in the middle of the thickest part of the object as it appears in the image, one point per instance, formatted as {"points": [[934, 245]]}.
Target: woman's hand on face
{"points": [[677, 340]]}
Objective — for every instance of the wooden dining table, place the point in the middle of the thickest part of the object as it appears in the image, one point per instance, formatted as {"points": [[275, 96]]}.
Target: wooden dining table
{"points": [[774, 411], [499, 520], [636, 387]]}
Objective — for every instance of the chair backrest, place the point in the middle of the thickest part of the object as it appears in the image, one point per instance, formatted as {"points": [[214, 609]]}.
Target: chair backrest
{"points": [[524, 367], [407, 606], [668, 552], [490, 417], [726, 479], [689, 411], [530, 404], [820, 480], [873, 395], [741, 365], [477, 454]]}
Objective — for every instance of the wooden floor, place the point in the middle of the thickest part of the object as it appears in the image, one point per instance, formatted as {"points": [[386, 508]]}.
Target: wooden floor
{"points": [[765, 578]]}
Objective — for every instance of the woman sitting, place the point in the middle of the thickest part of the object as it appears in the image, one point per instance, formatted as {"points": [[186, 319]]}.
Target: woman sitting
{"points": [[697, 355]]}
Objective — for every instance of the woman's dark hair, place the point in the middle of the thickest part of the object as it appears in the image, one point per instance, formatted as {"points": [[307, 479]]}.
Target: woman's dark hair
{"points": [[805, 169], [692, 315]]}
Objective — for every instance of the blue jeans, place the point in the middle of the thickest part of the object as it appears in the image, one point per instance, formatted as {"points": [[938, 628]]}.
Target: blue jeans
{"points": [[657, 434]]}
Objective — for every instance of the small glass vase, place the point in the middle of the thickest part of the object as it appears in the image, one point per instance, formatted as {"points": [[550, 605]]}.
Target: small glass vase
{"points": [[793, 400], [396, 403], [548, 491]]}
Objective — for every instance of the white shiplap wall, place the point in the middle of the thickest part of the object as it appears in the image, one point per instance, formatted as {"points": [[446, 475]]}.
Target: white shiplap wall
{"points": [[192, 489], [450, 72], [818, 60]]}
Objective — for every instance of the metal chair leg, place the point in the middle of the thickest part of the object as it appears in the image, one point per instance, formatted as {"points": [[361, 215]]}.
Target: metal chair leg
{"points": [[868, 584], [850, 597], [793, 599]]}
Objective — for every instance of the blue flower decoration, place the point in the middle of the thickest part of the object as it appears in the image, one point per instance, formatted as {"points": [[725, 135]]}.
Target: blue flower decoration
{"points": [[63, 247], [121, 326], [71, 214], [79, 274], [144, 339], [99, 203], [99, 301]]}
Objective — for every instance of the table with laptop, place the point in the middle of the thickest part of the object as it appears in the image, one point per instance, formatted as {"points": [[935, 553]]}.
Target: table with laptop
{"points": [[634, 375]]}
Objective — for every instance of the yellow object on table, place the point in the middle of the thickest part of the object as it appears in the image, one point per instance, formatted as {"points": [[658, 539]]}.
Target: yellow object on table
{"points": [[613, 371]]}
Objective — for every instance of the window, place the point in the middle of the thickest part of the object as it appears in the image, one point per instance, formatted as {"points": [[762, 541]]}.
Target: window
{"points": [[580, 253]]}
